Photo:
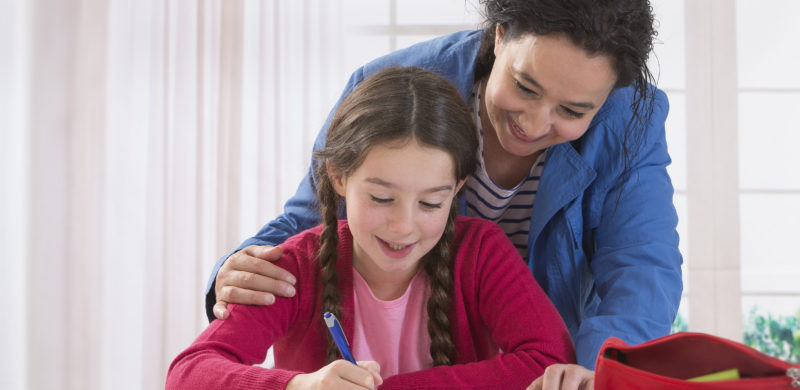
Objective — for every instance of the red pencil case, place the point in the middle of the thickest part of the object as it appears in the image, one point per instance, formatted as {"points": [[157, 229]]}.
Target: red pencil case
{"points": [[667, 363]]}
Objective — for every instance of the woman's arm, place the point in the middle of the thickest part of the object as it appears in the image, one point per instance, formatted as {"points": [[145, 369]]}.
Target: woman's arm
{"points": [[636, 262]]}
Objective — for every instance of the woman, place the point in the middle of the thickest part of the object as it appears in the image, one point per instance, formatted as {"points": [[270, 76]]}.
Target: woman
{"points": [[573, 166]]}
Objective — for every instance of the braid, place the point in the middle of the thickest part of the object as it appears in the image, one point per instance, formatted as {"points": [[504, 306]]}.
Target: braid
{"points": [[438, 268], [394, 107], [327, 256]]}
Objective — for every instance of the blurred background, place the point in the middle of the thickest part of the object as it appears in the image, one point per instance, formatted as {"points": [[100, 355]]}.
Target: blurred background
{"points": [[142, 140]]}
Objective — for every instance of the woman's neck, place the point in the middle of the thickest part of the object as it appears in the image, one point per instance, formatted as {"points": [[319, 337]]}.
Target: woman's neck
{"points": [[505, 169], [386, 286]]}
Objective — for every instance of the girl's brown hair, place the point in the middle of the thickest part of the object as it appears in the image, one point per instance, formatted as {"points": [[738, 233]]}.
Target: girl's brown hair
{"points": [[396, 105]]}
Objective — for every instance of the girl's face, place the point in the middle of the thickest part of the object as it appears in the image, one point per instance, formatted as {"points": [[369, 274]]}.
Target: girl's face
{"points": [[543, 90], [398, 202]]}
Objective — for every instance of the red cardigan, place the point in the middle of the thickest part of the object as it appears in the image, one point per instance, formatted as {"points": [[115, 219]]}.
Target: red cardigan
{"points": [[495, 304]]}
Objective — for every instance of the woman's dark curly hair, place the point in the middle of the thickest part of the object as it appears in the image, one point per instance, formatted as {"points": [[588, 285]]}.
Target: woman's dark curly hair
{"points": [[623, 30]]}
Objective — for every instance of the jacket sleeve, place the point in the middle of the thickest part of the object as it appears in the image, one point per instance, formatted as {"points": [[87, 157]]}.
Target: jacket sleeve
{"points": [[507, 303], [636, 262], [300, 212], [224, 355]]}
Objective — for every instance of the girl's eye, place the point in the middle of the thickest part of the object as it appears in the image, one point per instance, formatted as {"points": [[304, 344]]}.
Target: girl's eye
{"points": [[525, 89], [431, 205], [572, 114], [380, 200]]}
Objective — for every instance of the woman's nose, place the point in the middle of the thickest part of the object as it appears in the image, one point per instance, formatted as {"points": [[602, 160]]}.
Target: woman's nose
{"points": [[537, 121]]}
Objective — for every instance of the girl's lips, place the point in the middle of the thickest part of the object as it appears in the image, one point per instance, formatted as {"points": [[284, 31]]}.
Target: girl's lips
{"points": [[396, 251]]}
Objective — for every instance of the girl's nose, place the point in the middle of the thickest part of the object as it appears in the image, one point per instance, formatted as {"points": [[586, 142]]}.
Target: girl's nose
{"points": [[401, 220]]}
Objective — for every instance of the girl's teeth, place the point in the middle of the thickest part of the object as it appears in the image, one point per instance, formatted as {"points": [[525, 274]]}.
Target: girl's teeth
{"points": [[396, 247]]}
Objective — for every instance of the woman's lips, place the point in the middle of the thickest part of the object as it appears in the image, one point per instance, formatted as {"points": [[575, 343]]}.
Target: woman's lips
{"points": [[394, 250], [519, 134]]}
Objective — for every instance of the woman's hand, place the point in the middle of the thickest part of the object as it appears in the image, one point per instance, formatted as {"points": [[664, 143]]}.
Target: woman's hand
{"points": [[246, 278], [564, 377], [340, 374]]}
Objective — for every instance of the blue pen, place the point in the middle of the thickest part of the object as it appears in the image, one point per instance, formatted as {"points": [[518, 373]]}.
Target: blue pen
{"points": [[338, 336]]}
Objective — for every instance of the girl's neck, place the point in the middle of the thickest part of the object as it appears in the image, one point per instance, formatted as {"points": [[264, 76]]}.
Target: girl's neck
{"points": [[386, 286]]}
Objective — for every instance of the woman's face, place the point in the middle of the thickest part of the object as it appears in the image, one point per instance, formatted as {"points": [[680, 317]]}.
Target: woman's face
{"points": [[543, 91]]}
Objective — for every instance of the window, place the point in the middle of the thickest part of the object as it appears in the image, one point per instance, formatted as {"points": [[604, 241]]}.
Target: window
{"points": [[769, 184]]}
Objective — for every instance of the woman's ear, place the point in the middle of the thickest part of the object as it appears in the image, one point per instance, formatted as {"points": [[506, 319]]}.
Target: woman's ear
{"points": [[498, 37], [336, 178]]}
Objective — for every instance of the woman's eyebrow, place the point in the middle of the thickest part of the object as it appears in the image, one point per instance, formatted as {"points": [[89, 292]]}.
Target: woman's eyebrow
{"points": [[531, 80]]}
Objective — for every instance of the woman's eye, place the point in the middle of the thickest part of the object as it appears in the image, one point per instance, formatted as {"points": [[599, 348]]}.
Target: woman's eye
{"points": [[380, 200], [525, 89], [431, 205], [571, 113]]}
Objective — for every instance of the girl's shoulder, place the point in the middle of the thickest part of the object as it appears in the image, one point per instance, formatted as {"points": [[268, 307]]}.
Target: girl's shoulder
{"points": [[476, 226], [302, 248], [300, 251], [476, 236]]}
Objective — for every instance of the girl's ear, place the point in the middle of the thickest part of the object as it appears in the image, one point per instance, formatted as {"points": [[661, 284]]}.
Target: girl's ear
{"points": [[336, 177], [460, 184]]}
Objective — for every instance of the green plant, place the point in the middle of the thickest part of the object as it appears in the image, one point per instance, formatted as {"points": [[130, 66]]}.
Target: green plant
{"points": [[680, 325], [776, 336]]}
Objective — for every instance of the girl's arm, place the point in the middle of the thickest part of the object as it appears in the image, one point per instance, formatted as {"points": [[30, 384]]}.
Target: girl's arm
{"points": [[223, 356], [495, 293]]}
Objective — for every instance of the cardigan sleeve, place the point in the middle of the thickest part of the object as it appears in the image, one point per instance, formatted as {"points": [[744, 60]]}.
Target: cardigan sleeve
{"points": [[224, 355], [506, 305]]}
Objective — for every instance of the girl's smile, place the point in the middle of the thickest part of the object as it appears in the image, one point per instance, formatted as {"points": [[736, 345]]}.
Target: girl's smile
{"points": [[397, 251], [398, 201]]}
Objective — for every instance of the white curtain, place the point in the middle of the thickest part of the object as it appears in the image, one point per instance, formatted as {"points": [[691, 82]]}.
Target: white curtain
{"points": [[142, 140]]}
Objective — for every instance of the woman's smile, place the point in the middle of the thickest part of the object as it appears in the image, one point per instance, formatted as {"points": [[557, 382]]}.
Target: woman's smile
{"points": [[520, 134]]}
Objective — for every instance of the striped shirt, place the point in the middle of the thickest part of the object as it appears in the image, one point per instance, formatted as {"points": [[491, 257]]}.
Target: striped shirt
{"points": [[509, 208]]}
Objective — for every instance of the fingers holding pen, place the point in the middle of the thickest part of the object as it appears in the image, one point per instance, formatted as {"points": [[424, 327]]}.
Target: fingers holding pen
{"points": [[340, 374]]}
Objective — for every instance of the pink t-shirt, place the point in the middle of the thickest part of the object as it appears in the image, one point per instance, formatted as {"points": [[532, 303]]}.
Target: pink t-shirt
{"points": [[392, 333]]}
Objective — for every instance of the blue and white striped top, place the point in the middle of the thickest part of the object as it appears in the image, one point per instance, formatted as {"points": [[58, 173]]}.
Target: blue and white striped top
{"points": [[509, 208]]}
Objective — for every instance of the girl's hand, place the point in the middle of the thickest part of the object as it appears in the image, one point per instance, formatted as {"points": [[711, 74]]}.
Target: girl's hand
{"points": [[246, 278], [564, 377], [340, 374]]}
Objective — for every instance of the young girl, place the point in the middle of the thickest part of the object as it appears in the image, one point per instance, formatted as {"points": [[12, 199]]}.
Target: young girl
{"points": [[431, 297]]}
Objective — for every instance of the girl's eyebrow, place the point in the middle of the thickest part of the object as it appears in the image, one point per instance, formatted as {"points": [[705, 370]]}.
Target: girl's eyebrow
{"points": [[384, 183]]}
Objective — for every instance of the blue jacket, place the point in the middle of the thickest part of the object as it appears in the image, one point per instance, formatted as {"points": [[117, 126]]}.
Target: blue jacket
{"points": [[609, 262]]}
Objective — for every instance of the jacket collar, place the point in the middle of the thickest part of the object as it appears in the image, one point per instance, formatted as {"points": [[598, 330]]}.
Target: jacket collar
{"points": [[565, 176]]}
